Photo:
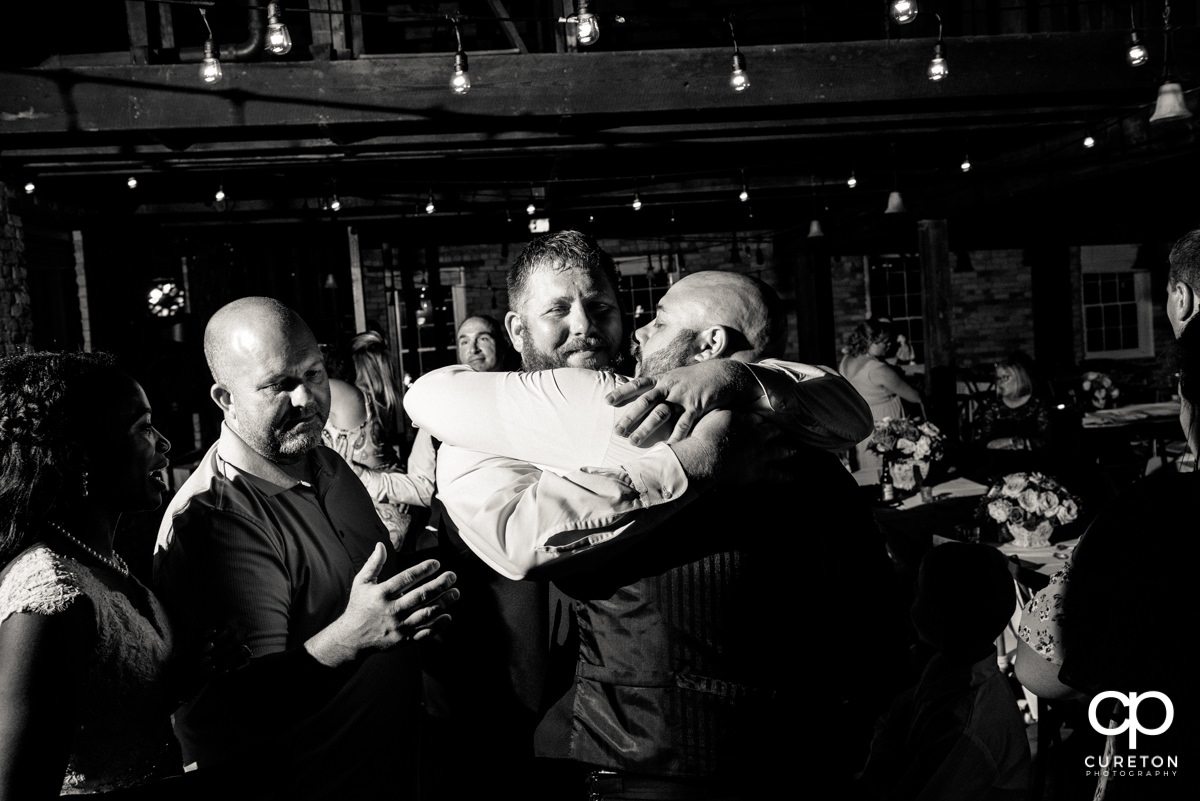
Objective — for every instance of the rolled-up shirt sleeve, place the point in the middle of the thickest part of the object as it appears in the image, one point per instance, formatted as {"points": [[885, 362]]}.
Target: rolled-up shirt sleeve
{"points": [[816, 404]]}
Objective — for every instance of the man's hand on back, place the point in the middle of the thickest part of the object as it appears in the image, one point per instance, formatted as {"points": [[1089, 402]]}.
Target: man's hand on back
{"points": [[688, 393], [380, 615]]}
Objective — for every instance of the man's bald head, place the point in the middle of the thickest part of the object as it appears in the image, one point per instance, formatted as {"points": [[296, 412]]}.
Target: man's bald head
{"points": [[751, 310], [269, 377], [231, 330]]}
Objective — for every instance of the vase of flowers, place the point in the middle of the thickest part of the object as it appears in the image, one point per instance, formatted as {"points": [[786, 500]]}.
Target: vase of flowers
{"points": [[1098, 391], [1030, 506], [905, 444]]}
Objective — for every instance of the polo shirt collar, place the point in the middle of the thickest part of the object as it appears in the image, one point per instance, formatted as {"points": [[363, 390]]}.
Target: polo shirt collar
{"points": [[264, 474]]}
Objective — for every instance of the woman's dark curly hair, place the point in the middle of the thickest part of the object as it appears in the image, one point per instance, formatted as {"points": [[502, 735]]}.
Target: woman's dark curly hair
{"points": [[866, 334], [46, 400]]}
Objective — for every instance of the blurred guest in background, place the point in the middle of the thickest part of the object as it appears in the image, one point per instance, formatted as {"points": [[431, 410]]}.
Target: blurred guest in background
{"points": [[881, 385], [85, 696], [364, 427]]}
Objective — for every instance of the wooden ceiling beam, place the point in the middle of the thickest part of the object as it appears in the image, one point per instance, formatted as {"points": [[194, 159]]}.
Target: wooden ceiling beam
{"points": [[1060, 73]]}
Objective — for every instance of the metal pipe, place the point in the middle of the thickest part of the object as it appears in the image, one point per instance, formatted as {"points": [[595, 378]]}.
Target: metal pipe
{"points": [[247, 50]]}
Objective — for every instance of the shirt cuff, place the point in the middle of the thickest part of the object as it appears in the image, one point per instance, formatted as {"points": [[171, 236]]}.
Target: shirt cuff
{"points": [[657, 476]]}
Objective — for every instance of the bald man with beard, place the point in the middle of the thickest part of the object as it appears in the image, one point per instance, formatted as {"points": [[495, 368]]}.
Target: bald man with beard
{"points": [[696, 585], [274, 536]]}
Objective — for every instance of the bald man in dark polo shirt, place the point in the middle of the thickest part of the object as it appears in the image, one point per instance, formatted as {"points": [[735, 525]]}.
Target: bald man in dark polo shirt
{"points": [[275, 536]]}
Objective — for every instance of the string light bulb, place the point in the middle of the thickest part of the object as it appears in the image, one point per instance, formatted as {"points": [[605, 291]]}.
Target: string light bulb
{"points": [[430, 208], [852, 181], [131, 182], [966, 164], [210, 67], [30, 187], [531, 209], [1089, 141], [219, 196], [938, 68], [587, 24], [335, 204], [279, 41], [904, 11], [739, 79], [460, 81], [637, 202], [744, 195], [1136, 55]]}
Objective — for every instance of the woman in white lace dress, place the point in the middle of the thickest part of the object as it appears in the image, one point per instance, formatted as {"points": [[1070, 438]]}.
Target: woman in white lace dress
{"points": [[84, 646]]}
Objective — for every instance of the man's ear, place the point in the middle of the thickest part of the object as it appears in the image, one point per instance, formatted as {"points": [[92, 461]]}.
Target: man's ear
{"points": [[711, 343], [515, 329], [1185, 301], [223, 399]]}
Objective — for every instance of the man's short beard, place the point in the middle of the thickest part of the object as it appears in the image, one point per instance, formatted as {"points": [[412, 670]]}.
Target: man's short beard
{"points": [[676, 353], [602, 358]]}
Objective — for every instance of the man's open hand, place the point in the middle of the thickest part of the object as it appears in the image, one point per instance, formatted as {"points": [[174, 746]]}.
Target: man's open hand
{"points": [[687, 393], [379, 615]]}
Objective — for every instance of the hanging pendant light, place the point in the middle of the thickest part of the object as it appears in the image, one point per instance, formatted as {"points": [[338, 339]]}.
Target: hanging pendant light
{"points": [[279, 41], [1170, 104], [895, 203], [814, 229]]}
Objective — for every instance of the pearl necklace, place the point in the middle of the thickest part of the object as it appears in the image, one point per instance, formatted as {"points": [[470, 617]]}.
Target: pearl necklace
{"points": [[116, 562]]}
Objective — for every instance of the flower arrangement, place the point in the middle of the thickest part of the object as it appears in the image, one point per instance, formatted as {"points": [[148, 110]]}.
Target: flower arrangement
{"points": [[1031, 505], [1098, 391], [905, 442]]}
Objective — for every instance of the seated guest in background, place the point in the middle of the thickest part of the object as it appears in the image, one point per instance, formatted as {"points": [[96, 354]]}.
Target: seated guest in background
{"points": [[958, 733], [364, 427], [275, 534], [1017, 418], [1116, 617], [881, 385], [85, 695], [1183, 282]]}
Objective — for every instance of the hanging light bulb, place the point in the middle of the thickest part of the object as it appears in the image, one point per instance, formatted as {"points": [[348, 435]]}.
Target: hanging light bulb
{"points": [[739, 79], [279, 41], [30, 187], [895, 204], [637, 202], [220, 193], [131, 182], [966, 164], [938, 68], [1089, 141], [1170, 104], [587, 25], [1136, 55], [335, 204], [904, 11], [460, 81], [210, 67], [531, 209], [744, 195], [430, 208], [852, 181]]}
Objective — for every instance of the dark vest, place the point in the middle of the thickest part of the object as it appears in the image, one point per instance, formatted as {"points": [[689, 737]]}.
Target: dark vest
{"points": [[689, 641]]}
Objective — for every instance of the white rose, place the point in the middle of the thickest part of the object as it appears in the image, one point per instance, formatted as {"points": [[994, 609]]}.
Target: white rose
{"points": [[1087, 385], [1014, 485], [1028, 500], [998, 511], [922, 450], [1067, 511], [1048, 504], [907, 446], [929, 429]]}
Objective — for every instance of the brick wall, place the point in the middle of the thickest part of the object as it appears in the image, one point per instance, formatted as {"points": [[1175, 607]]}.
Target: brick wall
{"points": [[16, 321], [991, 307]]}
